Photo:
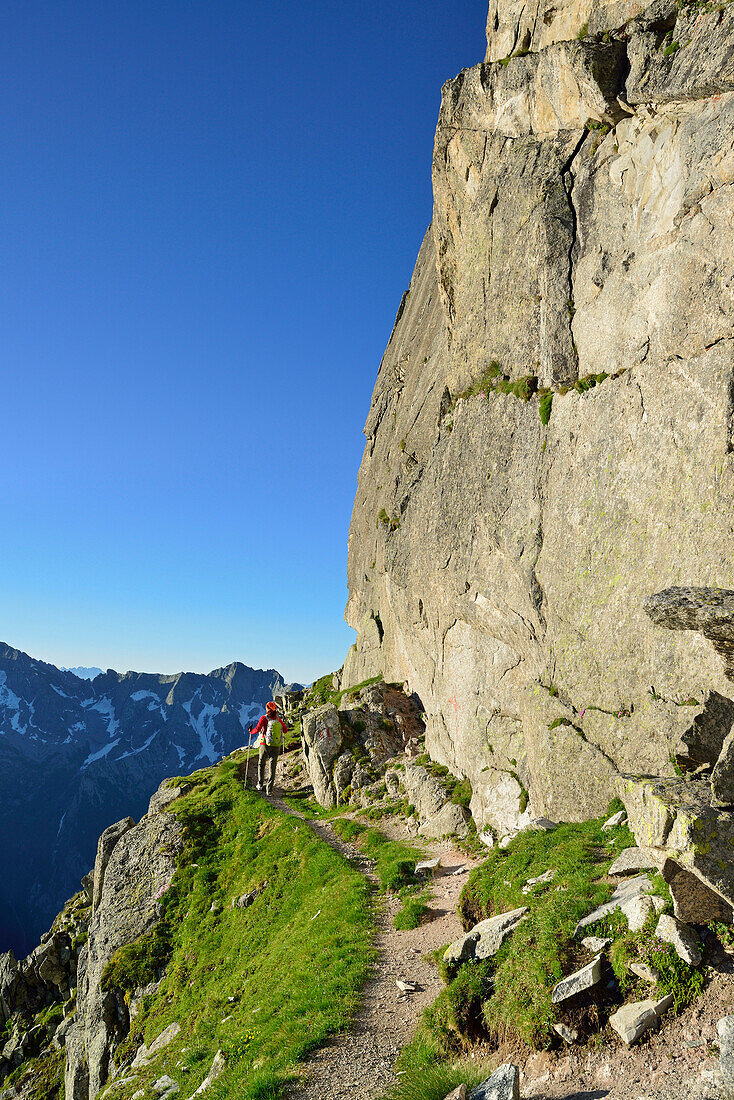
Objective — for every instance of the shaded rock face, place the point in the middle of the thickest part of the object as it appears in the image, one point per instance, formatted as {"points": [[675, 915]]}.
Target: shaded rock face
{"points": [[135, 865], [583, 225]]}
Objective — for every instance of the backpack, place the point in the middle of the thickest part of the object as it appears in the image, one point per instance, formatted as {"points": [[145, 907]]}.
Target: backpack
{"points": [[274, 732]]}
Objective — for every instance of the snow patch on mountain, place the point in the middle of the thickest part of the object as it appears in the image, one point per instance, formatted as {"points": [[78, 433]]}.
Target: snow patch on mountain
{"points": [[99, 753], [203, 725]]}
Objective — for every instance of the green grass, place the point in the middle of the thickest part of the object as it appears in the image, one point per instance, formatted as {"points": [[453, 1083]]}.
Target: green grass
{"points": [[542, 949], [322, 691], [424, 1075], [268, 984], [414, 910], [394, 861]]}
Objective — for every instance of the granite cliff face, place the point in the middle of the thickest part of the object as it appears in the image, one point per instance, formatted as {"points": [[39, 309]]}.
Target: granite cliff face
{"points": [[551, 432]]}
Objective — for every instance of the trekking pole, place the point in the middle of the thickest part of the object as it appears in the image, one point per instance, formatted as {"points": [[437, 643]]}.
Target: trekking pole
{"points": [[247, 765]]}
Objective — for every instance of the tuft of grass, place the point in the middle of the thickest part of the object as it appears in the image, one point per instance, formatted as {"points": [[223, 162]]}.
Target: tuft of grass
{"points": [[545, 406], [414, 911], [583, 31], [224, 980], [423, 1075]]}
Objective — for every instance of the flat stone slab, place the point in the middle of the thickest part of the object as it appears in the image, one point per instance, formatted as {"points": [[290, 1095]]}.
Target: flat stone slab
{"points": [[633, 1020], [484, 939], [427, 866], [596, 944], [725, 1029], [548, 876], [146, 1054], [504, 1084], [636, 859], [623, 895], [680, 938], [614, 820], [575, 983]]}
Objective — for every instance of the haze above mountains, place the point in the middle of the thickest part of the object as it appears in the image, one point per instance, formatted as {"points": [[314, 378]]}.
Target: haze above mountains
{"points": [[77, 754]]}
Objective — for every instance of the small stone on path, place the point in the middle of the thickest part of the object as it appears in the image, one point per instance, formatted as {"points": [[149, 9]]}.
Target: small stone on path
{"points": [[427, 865]]}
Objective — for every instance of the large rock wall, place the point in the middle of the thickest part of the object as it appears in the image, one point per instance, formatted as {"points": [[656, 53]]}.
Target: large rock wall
{"points": [[583, 223]]}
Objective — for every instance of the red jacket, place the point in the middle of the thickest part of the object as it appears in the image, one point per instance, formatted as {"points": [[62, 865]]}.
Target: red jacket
{"points": [[263, 725]]}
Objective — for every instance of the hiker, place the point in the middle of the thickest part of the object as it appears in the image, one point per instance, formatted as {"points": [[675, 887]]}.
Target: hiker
{"points": [[269, 733]]}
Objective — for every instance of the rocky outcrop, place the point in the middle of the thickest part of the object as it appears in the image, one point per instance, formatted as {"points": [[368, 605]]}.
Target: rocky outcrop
{"points": [[134, 868], [346, 747], [550, 437], [679, 818]]}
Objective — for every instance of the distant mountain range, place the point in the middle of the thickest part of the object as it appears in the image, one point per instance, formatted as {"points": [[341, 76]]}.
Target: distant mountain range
{"points": [[83, 672], [77, 755]]}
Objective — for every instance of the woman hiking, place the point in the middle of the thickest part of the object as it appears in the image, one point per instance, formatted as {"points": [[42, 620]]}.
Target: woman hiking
{"points": [[268, 735]]}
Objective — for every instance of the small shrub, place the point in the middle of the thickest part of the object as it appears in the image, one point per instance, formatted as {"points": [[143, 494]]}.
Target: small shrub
{"points": [[545, 406]]}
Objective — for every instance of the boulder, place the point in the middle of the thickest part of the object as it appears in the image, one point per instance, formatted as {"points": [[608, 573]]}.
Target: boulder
{"points": [[485, 939], [632, 1020], [680, 938], [438, 815], [504, 1084], [582, 979], [680, 817], [322, 744], [636, 859]]}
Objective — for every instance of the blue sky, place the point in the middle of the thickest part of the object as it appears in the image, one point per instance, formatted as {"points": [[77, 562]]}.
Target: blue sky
{"points": [[209, 212]]}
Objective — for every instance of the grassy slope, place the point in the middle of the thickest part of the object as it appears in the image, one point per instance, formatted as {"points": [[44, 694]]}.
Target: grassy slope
{"points": [[266, 984], [509, 996]]}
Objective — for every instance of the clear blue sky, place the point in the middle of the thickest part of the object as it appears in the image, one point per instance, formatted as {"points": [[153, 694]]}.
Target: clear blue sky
{"points": [[209, 212]]}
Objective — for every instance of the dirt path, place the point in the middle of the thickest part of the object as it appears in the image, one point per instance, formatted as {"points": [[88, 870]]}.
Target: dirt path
{"points": [[359, 1064], [666, 1065]]}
